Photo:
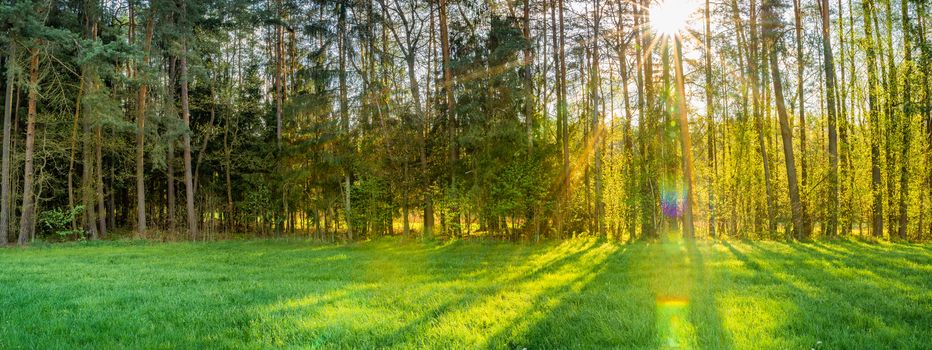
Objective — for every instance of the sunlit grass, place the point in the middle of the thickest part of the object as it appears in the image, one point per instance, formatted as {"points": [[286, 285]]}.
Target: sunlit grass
{"points": [[403, 294]]}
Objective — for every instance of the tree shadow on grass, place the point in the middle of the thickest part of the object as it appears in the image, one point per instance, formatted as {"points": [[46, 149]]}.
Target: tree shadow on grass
{"points": [[430, 296], [467, 309], [897, 255], [645, 296], [830, 292], [703, 309], [611, 309]]}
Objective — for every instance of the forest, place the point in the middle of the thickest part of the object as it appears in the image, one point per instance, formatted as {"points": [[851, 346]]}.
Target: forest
{"points": [[466, 174], [345, 120]]}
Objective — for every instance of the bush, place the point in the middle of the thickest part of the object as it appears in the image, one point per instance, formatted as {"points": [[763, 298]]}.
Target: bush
{"points": [[58, 221]]}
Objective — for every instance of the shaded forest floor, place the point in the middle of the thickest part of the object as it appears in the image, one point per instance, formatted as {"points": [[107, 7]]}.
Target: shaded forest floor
{"points": [[573, 294]]}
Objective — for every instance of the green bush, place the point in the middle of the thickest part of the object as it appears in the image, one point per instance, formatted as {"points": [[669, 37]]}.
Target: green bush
{"points": [[58, 221]]}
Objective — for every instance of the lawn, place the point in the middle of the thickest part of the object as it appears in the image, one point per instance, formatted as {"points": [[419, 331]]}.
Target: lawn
{"points": [[387, 293]]}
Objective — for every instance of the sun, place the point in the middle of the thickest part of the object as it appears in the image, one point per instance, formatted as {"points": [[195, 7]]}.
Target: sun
{"points": [[670, 17]]}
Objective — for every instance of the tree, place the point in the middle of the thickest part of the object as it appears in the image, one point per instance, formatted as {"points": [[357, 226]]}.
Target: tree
{"points": [[27, 219], [906, 119], [754, 68], [141, 126], [685, 143], [186, 139], [829, 69], [334, 118], [873, 118], [448, 99], [7, 125], [596, 128], [771, 28], [710, 109], [801, 100]]}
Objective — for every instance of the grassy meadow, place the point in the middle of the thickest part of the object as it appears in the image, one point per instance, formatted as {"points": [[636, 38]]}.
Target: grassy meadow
{"points": [[581, 293]]}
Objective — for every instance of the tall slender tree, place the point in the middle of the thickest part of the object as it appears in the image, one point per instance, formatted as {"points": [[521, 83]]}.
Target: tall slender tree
{"points": [[142, 95], [685, 142], [186, 138], [710, 115], [770, 35], [801, 100], [7, 125], [831, 107], [27, 217], [905, 119], [873, 118]]}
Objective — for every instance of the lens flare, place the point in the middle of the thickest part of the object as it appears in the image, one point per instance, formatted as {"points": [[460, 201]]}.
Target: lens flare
{"points": [[672, 198], [673, 322]]}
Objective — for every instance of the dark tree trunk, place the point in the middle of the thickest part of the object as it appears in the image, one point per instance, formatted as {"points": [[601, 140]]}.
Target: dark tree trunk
{"points": [[27, 219], [5, 170], [186, 116], [141, 131]]}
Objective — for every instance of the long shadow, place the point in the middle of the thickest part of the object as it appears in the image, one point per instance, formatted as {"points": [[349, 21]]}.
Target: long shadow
{"points": [[875, 315], [515, 334], [613, 309], [797, 325], [536, 266], [703, 309], [473, 270], [868, 269], [885, 270], [895, 256], [619, 307]]}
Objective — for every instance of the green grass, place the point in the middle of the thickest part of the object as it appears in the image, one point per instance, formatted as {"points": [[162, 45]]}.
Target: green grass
{"points": [[573, 294]]}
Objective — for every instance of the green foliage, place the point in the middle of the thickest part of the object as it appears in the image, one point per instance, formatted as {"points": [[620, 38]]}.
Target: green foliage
{"points": [[373, 205], [58, 221]]}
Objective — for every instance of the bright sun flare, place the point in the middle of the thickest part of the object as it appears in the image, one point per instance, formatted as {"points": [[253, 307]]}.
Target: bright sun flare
{"points": [[670, 17]]}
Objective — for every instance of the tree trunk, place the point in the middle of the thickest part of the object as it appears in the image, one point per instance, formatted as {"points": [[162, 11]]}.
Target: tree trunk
{"points": [[755, 73], [710, 109], [74, 141], [891, 114], [925, 60], [832, 227], [101, 205], [170, 157], [279, 100], [448, 92], [141, 131], [596, 122], [686, 143], [27, 220], [5, 170], [906, 119], [873, 119], [843, 213], [170, 189], [529, 102], [186, 116], [562, 110], [800, 97], [344, 117], [227, 164], [786, 132]]}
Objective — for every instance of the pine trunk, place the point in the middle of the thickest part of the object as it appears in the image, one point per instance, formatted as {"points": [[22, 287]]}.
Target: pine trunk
{"points": [[5, 170], [186, 116], [27, 220]]}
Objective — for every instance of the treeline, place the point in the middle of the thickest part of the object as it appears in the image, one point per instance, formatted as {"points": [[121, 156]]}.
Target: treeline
{"points": [[344, 119]]}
